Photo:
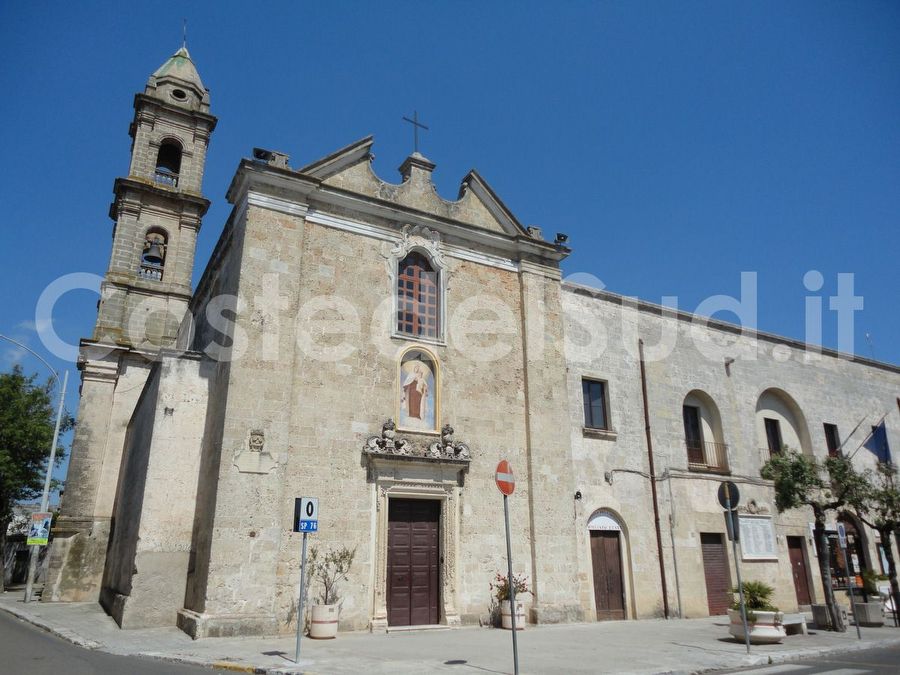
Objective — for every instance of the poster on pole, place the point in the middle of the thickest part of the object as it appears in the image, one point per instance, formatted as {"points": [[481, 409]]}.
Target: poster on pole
{"points": [[39, 530]]}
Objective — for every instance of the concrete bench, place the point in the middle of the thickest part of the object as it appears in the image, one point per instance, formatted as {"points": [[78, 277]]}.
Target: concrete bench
{"points": [[794, 624]]}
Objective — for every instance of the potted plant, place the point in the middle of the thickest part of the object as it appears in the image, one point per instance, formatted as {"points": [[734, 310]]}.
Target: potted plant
{"points": [[868, 613], [764, 620], [327, 569], [500, 589]]}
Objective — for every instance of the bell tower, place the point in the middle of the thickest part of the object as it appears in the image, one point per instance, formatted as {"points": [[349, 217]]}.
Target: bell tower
{"points": [[157, 211], [143, 299]]}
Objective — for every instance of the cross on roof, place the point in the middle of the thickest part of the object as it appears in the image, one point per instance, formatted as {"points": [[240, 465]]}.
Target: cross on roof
{"points": [[416, 126]]}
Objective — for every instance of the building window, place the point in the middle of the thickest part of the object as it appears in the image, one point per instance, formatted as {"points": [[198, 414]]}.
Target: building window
{"points": [[832, 439], [773, 436], [693, 434], [596, 412], [417, 297]]}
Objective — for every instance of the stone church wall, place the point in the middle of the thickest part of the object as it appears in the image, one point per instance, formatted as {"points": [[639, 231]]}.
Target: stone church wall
{"points": [[602, 334], [144, 580]]}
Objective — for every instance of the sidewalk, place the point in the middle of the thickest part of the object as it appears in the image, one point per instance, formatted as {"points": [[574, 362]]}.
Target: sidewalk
{"points": [[650, 646]]}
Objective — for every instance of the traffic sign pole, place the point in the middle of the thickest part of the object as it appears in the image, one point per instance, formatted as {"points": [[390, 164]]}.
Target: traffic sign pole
{"points": [[737, 567], [851, 582], [511, 585], [300, 601]]}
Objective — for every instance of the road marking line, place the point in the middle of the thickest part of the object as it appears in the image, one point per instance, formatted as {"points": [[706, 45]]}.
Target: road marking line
{"points": [[769, 670]]}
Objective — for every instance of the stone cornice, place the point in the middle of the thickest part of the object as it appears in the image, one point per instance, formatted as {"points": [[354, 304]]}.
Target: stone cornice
{"points": [[716, 324]]}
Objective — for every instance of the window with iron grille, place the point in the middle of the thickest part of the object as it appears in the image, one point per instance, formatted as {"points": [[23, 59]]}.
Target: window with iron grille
{"points": [[417, 297]]}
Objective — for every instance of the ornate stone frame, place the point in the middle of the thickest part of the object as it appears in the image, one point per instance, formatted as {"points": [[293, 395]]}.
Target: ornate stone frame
{"points": [[410, 477], [427, 242], [438, 376]]}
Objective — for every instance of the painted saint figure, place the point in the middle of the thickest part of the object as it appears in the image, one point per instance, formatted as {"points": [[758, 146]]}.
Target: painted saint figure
{"points": [[415, 392]]}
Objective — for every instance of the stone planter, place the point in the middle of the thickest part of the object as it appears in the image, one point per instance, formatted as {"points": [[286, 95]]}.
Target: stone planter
{"points": [[766, 630], [506, 615], [323, 622], [868, 613], [822, 618]]}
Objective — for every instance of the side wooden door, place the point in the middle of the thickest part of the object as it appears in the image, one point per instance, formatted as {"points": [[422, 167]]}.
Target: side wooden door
{"points": [[606, 557], [797, 553]]}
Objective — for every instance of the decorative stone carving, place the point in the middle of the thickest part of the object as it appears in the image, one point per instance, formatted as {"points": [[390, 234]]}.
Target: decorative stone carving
{"points": [[447, 447], [418, 236], [254, 458], [388, 443], [257, 440]]}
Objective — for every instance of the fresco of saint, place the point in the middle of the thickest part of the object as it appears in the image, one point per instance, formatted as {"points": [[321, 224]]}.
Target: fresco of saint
{"points": [[417, 392]]}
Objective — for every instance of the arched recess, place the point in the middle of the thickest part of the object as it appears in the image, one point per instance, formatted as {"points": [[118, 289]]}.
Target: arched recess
{"points": [[610, 556], [703, 435], [780, 423], [168, 162], [153, 254], [418, 390]]}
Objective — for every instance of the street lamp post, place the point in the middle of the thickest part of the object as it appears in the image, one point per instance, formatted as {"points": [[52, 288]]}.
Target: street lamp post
{"points": [[45, 497]]}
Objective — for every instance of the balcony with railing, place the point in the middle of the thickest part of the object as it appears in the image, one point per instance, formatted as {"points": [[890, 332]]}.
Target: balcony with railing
{"points": [[165, 177], [707, 456], [768, 453]]}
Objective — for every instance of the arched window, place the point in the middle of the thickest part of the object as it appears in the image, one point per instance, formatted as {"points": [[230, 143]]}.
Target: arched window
{"points": [[417, 297], [153, 255], [168, 163]]}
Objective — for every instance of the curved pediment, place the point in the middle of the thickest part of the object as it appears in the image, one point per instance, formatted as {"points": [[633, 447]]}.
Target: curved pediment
{"points": [[477, 204]]}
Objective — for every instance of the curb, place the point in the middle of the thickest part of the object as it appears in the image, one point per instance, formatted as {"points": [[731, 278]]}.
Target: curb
{"points": [[67, 635], [743, 662]]}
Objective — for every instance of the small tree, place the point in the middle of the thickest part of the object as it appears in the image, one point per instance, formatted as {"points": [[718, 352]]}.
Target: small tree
{"points": [[801, 481], [27, 419], [329, 569], [876, 500]]}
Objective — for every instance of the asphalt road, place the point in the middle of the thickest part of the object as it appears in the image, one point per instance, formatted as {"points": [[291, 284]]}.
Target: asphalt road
{"points": [[27, 650], [886, 660]]}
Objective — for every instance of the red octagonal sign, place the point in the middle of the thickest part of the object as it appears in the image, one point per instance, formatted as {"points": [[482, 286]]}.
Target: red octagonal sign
{"points": [[506, 481]]}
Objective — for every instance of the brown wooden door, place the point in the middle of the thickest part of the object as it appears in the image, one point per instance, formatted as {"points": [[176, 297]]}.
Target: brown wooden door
{"points": [[715, 569], [413, 559], [606, 556], [797, 553]]}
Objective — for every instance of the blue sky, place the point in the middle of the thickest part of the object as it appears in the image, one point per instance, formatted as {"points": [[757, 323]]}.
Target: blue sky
{"points": [[678, 144]]}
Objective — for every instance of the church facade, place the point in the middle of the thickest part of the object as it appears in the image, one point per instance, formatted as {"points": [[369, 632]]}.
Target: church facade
{"points": [[381, 348]]}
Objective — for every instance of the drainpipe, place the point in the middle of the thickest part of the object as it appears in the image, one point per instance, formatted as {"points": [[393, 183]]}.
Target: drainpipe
{"points": [[659, 546]]}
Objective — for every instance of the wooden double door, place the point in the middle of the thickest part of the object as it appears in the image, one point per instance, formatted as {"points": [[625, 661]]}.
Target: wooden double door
{"points": [[609, 590], [413, 562]]}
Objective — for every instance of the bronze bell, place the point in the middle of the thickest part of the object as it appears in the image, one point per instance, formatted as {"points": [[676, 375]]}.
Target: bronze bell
{"points": [[154, 254]]}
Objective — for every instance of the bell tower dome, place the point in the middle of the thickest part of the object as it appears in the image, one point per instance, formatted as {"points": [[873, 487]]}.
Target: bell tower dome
{"points": [[157, 210]]}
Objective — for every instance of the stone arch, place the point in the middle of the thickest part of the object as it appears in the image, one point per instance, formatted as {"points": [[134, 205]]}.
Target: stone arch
{"points": [[606, 520], [786, 418], [153, 254], [168, 161], [704, 434]]}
